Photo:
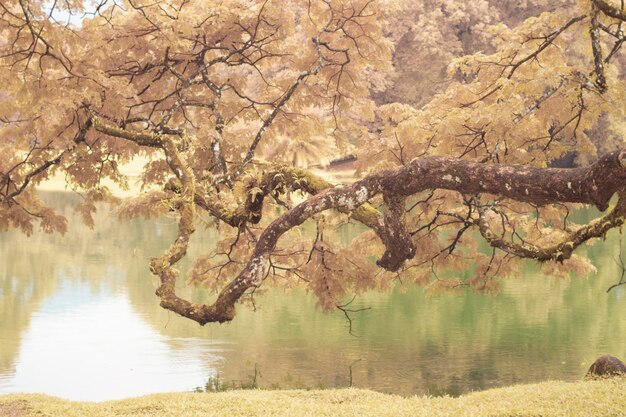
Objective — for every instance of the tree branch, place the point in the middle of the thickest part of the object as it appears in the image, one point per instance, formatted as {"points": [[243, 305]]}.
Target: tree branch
{"points": [[592, 185], [562, 250], [610, 10], [598, 61], [398, 244], [79, 138]]}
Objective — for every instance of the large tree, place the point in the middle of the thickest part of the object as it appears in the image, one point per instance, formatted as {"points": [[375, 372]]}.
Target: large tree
{"points": [[231, 102]]}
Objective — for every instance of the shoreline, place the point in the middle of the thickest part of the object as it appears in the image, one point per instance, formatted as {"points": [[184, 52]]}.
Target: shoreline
{"points": [[133, 170], [589, 398]]}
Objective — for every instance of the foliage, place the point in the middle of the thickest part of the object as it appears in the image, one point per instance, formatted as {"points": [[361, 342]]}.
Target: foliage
{"points": [[438, 31], [232, 103]]}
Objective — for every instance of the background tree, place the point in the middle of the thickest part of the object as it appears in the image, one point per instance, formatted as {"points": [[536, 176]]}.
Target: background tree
{"points": [[230, 102], [439, 31]]}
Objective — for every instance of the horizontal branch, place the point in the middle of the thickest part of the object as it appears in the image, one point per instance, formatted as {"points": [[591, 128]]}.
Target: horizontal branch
{"points": [[275, 180], [594, 184]]}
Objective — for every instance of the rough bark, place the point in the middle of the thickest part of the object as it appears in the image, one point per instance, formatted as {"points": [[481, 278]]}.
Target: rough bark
{"points": [[397, 241], [610, 10]]}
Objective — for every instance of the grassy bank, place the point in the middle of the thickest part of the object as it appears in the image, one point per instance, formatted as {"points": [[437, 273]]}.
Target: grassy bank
{"points": [[601, 398]]}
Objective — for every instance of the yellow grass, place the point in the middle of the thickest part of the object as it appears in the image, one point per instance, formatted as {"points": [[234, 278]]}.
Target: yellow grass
{"points": [[596, 398]]}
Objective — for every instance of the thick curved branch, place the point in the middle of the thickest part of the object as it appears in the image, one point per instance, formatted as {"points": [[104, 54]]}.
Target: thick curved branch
{"points": [[595, 184], [275, 181], [163, 265]]}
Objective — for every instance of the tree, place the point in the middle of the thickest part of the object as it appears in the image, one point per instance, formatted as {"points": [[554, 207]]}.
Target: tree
{"points": [[439, 31], [231, 103]]}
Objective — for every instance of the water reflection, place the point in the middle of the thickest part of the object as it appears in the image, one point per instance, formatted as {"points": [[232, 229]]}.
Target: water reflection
{"points": [[107, 352], [79, 319]]}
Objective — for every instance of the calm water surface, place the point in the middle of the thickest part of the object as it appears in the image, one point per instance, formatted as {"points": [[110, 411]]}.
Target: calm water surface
{"points": [[79, 320]]}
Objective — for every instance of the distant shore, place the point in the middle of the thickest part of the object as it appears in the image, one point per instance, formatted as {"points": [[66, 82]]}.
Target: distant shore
{"points": [[596, 398], [340, 171], [132, 170]]}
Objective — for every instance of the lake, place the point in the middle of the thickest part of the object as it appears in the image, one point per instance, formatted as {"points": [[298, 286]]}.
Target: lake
{"points": [[79, 320]]}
